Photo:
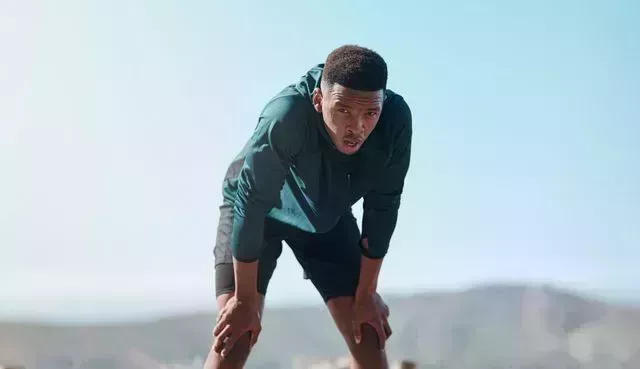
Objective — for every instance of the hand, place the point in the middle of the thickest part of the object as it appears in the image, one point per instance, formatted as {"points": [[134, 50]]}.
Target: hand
{"points": [[234, 320], [371, 310]]}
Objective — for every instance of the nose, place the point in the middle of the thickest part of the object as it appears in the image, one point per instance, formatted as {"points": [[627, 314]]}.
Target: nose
{"points": [[356, 127]]}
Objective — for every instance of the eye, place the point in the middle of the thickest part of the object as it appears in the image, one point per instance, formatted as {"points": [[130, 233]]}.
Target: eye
{"points": [[372, 114], [342, 110]]}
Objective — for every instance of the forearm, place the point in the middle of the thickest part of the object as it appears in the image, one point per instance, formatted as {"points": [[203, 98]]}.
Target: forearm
{"points": [[379, 222], [378, 226], [246, 247], [248, 229], [369, 272], [246, 279]]}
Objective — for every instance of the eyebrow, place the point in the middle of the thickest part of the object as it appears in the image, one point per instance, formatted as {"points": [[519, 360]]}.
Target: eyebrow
{"points": [[376, 108]]}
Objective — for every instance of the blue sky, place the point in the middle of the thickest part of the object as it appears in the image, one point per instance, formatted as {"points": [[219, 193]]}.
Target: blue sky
{"points": [[118, 119]]}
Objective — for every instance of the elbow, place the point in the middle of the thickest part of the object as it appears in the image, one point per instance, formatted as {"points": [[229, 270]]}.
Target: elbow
{"points": [[375, 251], [247, 233], [378, 228], [383, 202]]}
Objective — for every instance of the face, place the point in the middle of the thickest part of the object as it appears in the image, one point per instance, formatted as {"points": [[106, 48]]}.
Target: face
{"points": [[349, 115]]}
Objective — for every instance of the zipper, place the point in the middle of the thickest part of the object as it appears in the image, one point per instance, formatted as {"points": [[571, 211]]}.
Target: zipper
{"points": [[349, 179]]}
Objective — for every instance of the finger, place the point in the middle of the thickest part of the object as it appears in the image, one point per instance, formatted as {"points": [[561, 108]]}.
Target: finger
{"points": [[357, 332], [220, 325], [383, 306], [387, 328], [378, 326], [228, 345], [254, 336], [222, 312], [218, 344]]}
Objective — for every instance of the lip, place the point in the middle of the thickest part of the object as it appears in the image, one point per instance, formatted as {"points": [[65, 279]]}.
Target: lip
{"points": [[352, 142], [351, 146]]}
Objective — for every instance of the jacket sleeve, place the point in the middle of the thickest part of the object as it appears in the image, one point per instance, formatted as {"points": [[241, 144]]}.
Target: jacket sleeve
{"points": [[277, 140], [381, 204]]}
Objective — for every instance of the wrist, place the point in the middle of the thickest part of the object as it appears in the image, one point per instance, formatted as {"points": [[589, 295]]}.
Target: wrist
{"points": [[248, 300], [365, 289], [363, 296], [369, 272]]}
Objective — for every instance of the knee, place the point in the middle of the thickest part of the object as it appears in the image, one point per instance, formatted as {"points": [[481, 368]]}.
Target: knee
{"points": [[234, 360]]}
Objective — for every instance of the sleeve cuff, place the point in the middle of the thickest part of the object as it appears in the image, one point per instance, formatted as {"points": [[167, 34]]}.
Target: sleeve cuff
{"points": [[246, 259], [367, 252]]}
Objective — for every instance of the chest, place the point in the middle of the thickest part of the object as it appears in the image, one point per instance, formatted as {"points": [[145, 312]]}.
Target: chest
{"points": [[326, 176]]}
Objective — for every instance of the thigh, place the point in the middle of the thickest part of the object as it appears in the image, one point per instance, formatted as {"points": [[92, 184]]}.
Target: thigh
{"points": [[331, 260], [224, 273]]}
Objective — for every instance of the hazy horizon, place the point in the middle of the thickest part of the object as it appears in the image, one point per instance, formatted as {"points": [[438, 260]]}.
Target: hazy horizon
{"points": [[118, 120], [132, 311]]}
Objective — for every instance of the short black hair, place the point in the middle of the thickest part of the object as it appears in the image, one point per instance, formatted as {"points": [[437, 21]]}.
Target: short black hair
{"points": [[355, 67]]}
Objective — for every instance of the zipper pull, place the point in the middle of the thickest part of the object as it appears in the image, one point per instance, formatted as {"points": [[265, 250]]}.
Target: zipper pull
{"points": [[349, 179]]}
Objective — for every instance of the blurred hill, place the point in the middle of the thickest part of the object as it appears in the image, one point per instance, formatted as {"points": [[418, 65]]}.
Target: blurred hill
{"points": [[486, 327]]}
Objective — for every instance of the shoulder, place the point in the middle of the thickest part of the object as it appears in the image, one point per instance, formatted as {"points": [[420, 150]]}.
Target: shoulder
{"points": [[396, 112], [395, 126], [285, 119], [286, 106], [294, 101]]}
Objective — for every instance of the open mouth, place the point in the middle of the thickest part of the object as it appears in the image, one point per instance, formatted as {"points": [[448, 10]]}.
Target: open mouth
{"points": [[351, 143]]}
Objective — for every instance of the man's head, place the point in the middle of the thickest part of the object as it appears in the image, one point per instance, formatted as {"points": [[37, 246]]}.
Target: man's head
{"points": [[350, 98]]}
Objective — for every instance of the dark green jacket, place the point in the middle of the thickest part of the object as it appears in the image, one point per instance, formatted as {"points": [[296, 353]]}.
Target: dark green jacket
{"points": [[291, 171]]}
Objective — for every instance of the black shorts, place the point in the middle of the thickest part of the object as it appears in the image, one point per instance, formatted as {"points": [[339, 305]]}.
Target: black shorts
{"points": [[330, 260]]}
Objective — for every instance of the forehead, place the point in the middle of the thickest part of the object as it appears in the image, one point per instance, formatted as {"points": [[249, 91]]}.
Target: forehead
{"points": [[344, 95]]}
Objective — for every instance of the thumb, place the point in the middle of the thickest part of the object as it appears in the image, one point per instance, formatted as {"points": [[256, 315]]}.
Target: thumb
{"points": [[254, 337], [382, 338], [357, 331]]}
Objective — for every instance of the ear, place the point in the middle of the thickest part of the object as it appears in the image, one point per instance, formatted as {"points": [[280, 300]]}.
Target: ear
{"points": [[317, 100]]}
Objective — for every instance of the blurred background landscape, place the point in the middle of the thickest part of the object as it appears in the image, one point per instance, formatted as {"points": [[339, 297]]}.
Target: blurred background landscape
{"points": [[484, 327], [519, 234]]}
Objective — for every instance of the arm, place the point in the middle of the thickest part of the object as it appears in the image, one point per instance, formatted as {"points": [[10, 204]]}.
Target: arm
{"points": [[277, 140], [381, 205]]}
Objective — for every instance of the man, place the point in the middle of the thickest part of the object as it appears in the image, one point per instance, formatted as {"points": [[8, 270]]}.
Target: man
{"points": [[321, 144]]}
